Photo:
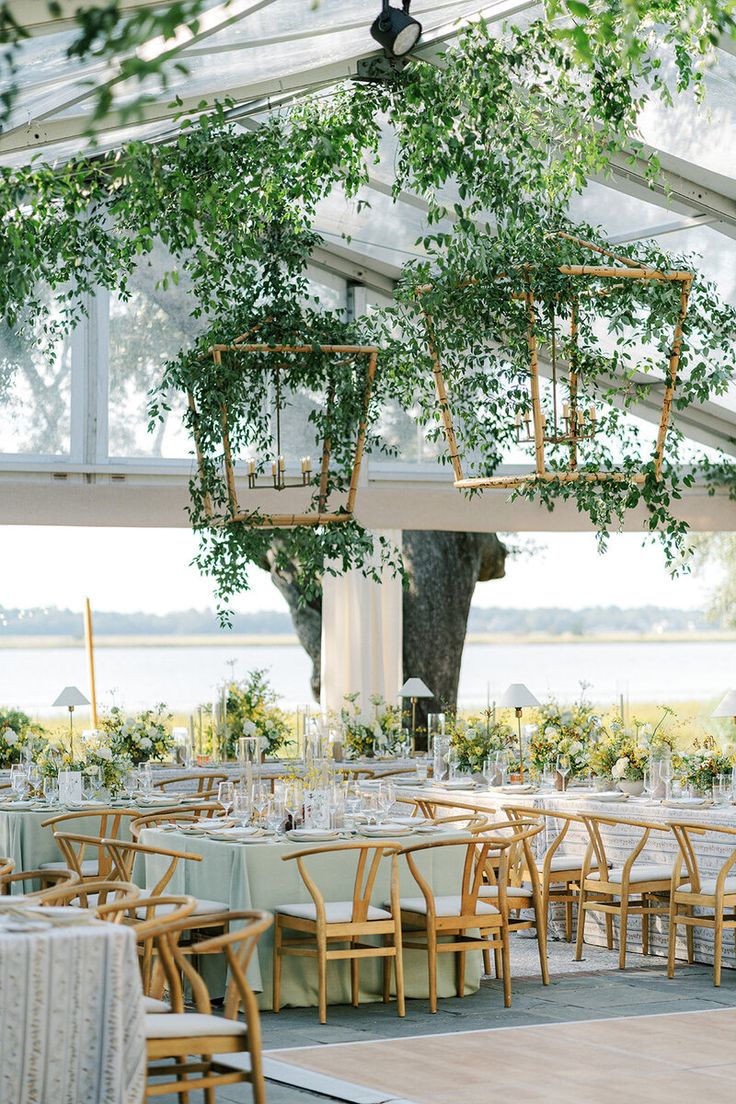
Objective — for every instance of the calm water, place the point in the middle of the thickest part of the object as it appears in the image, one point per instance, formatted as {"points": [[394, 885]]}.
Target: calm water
{"points": [[184, 676]]}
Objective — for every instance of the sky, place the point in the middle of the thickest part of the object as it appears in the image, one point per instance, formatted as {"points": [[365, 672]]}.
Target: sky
{"points": [[149, 570]]}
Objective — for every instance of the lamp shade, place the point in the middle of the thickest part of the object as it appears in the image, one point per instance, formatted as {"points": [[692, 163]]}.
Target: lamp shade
{"points": [[415, 688], [71, 696], [517, 696], [727, 706]]}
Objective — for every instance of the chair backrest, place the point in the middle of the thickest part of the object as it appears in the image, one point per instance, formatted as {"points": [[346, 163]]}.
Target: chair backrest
{"points": [[553, 822], [93, 895], [519, 856], [109, 823], [60, 878], [596, 855], [688, 856], [206, 781], [474, 852], [237, 945], [7, 866], [369, 857], [121, 855]]}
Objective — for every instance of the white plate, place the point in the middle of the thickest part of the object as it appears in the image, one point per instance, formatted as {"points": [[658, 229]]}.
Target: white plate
{"points": [[81, 806], [608, 795], [313, 835], [385, 831], [413, 782], [686, 803], [411, 821], [457, 784], [17, 804]]}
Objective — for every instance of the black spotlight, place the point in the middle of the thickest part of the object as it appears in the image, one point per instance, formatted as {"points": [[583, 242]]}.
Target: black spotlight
{"points": [[396, 30]]}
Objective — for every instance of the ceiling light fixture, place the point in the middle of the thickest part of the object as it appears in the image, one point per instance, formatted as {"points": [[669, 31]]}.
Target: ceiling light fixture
{"points": [[396, 30]]}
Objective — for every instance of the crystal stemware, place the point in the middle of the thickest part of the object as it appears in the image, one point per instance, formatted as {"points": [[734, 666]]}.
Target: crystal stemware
{"points": [[226, 796]]}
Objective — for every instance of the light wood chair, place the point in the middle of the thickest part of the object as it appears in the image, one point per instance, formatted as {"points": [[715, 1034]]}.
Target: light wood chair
{"points": [[93, 895], [54, 880], [122, 855], [109, 822], [712, 896], [181, 1036], [7, 866], [443, 924], [163, 913], [347, 922], [560, 871], [613, 889], [523, 886]]}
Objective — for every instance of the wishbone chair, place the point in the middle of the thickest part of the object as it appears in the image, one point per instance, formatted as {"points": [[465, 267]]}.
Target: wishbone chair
{"points": [[716, 894]]}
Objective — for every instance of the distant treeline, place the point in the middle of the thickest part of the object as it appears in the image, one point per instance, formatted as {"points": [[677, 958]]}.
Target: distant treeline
{"points": [[588, 622], [584, 622]]}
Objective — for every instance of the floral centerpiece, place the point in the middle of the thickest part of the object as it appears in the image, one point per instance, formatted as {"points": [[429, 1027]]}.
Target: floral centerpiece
{"points": [[701, 767], [138, 739], [59, 757], [252, 702], [621, 756], [381, 736], [100, 752], [572, 730], [475, 740], [17, 734]]}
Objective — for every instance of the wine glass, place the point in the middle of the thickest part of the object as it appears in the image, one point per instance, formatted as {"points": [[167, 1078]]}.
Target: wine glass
{"points": [[293, 802], [665, 774], [563, 768], [260, 799], [226, 796], [650, 783], [275, 816], [92, 782], [502, 765], [146, 780]]}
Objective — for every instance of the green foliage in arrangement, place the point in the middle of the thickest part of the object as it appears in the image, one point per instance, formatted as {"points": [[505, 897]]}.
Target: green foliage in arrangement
{"points": [[365, 740], [252, 711], [477, 739], [572, 730], [701, 767], [17, 734], [518, 123], [138, 738]]}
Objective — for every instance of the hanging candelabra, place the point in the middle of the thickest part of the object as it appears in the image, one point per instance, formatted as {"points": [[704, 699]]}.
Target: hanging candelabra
{"points": [[572, 423]]}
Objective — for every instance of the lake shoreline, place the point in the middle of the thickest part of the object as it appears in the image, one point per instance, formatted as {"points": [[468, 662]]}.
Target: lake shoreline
{"points": [[280, 640]]}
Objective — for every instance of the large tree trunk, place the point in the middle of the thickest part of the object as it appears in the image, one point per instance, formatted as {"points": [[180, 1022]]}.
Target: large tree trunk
{"points": [[442, 570]]}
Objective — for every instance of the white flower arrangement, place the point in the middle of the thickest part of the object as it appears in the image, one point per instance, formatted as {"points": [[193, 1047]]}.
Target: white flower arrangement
{"points": [[620, 767]]}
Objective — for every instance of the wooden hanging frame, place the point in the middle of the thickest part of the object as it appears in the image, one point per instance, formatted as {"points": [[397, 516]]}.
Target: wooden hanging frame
{"points": [[626, 268], [256, 519]]}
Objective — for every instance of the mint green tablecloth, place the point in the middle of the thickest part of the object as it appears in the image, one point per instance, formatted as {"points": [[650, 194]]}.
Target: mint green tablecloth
{"points": [[253, 876]]}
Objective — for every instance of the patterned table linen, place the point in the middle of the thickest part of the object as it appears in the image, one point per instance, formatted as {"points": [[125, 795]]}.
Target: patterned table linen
{"points": [[71, 1017]]}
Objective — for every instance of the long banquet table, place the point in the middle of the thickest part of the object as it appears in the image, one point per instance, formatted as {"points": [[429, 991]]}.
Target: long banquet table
{"points": [[71, 1014], [248, 875], [712, 849]]}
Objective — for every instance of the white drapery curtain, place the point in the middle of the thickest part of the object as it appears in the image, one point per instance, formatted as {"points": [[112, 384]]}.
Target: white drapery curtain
{"points": [[361, 637]]}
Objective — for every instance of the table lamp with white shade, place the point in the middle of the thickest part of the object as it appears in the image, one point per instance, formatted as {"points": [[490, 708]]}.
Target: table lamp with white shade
{"points": [[414, 689], [518, 697], [726, 706], [71, 697]]}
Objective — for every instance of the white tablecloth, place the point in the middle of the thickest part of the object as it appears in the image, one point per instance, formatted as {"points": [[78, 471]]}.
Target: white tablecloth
{"points": [[71, 1016], [712, 849]]}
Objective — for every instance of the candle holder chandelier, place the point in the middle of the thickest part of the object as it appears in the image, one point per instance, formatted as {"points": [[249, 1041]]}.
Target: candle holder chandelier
{"points": [[570, 422], [273, 474]]}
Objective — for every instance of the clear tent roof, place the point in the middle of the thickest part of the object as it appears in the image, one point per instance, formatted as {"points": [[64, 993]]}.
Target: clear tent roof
{"points": [[262, 53]]}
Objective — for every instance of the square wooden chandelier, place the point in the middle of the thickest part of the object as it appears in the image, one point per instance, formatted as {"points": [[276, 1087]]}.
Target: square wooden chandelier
{"points": [[575, 424], [280, 480]]}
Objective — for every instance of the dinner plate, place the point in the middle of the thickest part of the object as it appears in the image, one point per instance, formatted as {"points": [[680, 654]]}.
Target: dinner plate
{"points": [[411, 821], [686, 803], [17, 804], [385, 831], [608, 795], [457, 784], [312, 834]]}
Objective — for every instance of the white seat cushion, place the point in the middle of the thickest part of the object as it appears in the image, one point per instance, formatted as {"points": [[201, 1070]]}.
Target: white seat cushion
{"points": [[708, 886], [640, 872], [336, 912], [202, 908], [90, 867], [151, 1006], [524, 891], [179, 1025], [444, 906]]}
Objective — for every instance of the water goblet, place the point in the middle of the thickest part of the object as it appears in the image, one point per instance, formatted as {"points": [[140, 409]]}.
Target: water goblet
{"points": [[293, 801], [260, 799], [241, 805], [502, 765], [226, 796], [665, 774], [18, 781], [51, 790], [146, 780], [92, 780]]}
